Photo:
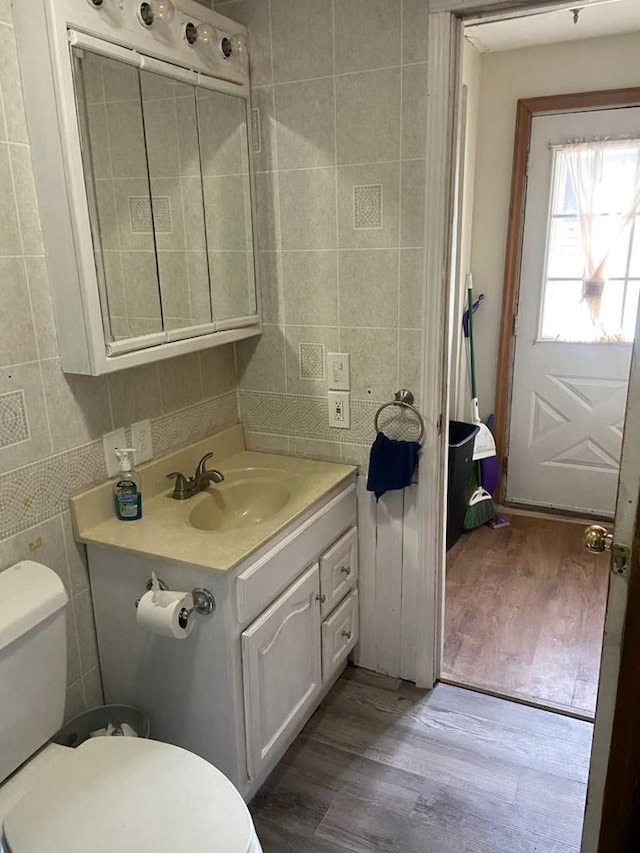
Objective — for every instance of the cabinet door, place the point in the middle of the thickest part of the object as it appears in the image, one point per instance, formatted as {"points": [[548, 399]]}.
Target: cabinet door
{"points": [[281, 663]]}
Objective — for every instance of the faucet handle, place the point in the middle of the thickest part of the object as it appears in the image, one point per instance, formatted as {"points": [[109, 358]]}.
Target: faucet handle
{"points": [[181, 487], [202, 465]]}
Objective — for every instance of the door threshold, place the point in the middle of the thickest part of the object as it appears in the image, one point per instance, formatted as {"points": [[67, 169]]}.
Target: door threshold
{"points": [[551, 512], [519, 699]]}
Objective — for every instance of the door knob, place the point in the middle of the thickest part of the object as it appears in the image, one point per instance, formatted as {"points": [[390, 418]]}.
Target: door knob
{"points": [[597, 539]]}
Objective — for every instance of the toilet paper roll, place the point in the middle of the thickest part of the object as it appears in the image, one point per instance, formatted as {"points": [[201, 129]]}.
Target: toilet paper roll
{"points": [[159, 612]]}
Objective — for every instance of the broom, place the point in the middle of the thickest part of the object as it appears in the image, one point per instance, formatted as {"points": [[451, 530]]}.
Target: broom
{"points": [[480, 508]]}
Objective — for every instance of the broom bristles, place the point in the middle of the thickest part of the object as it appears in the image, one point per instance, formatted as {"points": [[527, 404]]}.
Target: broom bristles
{"points": [[479, 511]]}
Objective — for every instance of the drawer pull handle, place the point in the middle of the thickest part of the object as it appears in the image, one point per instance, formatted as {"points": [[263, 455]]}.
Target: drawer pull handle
{"points": [[346, 570], [347, 634], [321, 597]]}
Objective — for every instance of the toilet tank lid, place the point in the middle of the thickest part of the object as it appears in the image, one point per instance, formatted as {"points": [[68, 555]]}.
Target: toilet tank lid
{"points": [[29, 594]]}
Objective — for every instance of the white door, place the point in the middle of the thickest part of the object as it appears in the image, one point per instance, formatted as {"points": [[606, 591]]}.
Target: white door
{"points": [[570, 372], [626, 533], [281, 668]]}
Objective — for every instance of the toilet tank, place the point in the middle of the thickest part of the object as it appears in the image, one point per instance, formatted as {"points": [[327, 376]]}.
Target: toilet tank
{"points": [[33, 655]]}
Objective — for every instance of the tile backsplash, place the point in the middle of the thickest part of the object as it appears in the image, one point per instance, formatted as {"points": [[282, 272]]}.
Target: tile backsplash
{"points": [[51, 424], [339, 99]]}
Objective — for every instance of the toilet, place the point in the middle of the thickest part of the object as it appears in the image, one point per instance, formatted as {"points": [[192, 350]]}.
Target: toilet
{"points": [[110, 793]]}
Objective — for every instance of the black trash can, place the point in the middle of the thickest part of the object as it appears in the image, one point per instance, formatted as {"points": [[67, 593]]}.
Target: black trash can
{"points": [[80, 728], [461, 440]]}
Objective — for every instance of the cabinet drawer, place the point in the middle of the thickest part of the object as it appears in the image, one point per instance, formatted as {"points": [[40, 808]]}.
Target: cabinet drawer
{"points": [[267, 577], [338, 570], [339, 635]]}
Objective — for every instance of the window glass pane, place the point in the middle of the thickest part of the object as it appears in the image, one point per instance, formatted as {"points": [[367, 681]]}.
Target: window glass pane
{"points": [[630, 310], [566, 258], [634, 263], [562, 300], [619, 255], [564, 200]]}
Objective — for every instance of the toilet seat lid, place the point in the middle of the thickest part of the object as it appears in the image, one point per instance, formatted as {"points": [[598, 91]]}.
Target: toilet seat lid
{"points": [[130, 794]]}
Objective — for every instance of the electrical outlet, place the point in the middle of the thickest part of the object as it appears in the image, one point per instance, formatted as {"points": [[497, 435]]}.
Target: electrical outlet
{"points": [[339, 409], [338, 371], [141, 441], [110, 443]]}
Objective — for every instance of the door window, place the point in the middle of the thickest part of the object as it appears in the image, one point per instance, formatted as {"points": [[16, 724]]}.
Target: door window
{"points": [[567, 314]]}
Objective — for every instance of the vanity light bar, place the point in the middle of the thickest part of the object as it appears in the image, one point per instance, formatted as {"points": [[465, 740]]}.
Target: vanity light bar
{"points": [[150, 12]]}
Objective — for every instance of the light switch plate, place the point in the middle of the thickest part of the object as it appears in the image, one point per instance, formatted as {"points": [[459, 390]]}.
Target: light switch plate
{"points": [[141, 441], [110, 442], [339, 409], [338, 371]]}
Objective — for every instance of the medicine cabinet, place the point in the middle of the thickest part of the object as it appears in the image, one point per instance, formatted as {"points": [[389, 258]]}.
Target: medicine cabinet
{"points": [[139, 122]]}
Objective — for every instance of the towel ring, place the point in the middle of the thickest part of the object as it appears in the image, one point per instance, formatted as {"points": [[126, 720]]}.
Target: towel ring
{"points": [[404, 399]]}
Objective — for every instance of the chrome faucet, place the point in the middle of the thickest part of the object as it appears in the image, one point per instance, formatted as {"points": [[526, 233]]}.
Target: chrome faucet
{"points": [[187, 487]]}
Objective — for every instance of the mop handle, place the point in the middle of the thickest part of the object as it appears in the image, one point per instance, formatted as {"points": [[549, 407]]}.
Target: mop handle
{"points": [[472, 358]]}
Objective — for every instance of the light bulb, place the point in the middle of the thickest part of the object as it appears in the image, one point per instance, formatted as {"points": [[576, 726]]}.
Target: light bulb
{"points": [[163, 10], [156, 10], [239, 44], [206, 33]]}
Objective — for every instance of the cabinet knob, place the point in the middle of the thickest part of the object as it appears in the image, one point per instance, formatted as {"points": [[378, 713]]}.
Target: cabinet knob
{"points": [[346, 570], [347, 634], [321, 597]]}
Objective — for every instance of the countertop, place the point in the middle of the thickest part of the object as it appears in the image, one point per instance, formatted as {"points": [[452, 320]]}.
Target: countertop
{"points": [[165, 532]]}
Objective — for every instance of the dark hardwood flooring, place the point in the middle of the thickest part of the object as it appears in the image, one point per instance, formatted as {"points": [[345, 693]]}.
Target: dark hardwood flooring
{"points": [[385, 767], [524, 613]]}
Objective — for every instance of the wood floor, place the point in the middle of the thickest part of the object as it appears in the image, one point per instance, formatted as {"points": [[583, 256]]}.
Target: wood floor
{"points": [[385, 767], [524, 613]]}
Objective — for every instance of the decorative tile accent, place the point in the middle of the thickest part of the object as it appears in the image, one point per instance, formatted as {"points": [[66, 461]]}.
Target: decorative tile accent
{"points": [[311, 361], [400, 424], [37, 492], [14, 426], [194, 423], [41, 490], [256, 131], [140, 218], [303, 417], [367, 206]]}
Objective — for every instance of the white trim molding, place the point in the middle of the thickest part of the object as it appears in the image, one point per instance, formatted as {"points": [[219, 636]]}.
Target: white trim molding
{"points": [[443, 49]]}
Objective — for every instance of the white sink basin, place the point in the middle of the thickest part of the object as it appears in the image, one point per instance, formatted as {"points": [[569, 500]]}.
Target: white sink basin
{"points": [[247, 496]]}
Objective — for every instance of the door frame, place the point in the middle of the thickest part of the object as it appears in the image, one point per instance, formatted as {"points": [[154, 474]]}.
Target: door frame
{"points": [[612, 776], [527, 109]]}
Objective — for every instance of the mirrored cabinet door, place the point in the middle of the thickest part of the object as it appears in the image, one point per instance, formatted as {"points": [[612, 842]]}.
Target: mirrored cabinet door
{"points": [[166, 168], [117, 181], [222, 126], [177, 207]]}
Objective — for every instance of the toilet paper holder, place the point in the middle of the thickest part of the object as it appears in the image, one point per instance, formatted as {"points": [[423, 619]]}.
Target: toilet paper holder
{"points": [[203, 602]]}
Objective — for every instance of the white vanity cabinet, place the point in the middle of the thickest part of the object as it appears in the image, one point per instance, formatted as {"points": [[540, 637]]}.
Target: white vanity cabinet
{"points": [[241, 686], [289, 655]]}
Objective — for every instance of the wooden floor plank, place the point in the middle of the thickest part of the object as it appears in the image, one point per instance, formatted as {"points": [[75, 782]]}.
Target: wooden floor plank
{"points": [[524, 613], [385, 767]]}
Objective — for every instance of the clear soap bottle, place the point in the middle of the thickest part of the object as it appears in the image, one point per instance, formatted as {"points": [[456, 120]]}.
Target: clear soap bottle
{"points": [[127, 494]]}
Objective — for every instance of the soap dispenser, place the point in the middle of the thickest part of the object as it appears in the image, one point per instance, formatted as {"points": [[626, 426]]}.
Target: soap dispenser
{"points": [[127, 495]]}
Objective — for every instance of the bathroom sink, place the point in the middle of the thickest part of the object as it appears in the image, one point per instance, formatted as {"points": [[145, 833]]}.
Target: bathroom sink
{"points": [[246, 497]]}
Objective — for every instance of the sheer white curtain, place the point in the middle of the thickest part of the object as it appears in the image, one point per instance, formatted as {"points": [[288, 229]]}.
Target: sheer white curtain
{"points": [[605, 208]]}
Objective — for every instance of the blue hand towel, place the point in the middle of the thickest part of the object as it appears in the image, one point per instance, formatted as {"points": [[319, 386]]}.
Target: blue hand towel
{"points": [[391, 464]]}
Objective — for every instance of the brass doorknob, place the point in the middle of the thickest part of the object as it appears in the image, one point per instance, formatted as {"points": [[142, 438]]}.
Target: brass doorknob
{"points": [[597, 539]]}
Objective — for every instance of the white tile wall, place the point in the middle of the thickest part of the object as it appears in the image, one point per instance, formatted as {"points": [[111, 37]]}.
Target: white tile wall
{"points": [[340, 89]]}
